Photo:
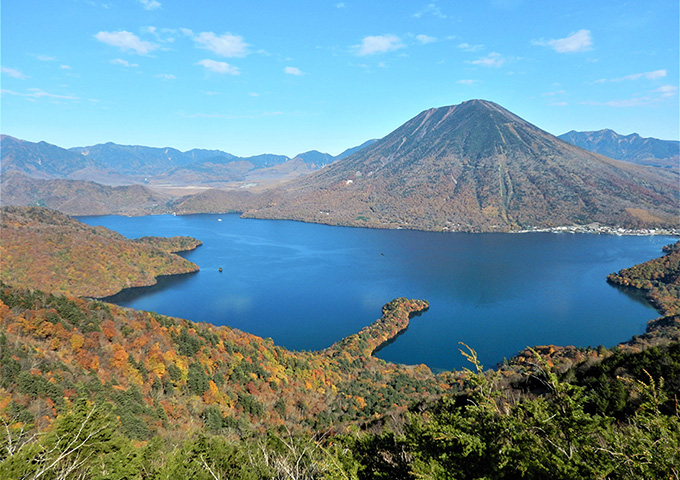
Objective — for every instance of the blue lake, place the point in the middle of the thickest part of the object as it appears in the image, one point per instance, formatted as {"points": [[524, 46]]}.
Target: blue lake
{"points": [[307, 286]]}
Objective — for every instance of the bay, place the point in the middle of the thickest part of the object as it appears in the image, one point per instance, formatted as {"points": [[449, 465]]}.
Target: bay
{"points": [[307, 286]]}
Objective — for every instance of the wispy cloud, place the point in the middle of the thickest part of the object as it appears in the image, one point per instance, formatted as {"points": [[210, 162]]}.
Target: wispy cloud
{"points": [[14, 73], [45, 58], [425, 39], [379, 44], [552, 94], [219, 67], [666, 90], [580, 41], [493, 59], [126, 41], [467, 81], [652, 97], [150, 4], [630, 102], [293, 71], [163, 35], [655, 75], [124, 63], [558, 104], [165, 76], [226, 45], [65, 67], [430, 9], [36, 93], [470, 48]]}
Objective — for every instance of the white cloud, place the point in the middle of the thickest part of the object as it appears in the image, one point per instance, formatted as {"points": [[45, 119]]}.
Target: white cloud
{"points": [[14, 73], [293, 71], [430, 9], [666, 90], [379, 44], [580, 41], [126, 41], [219, 67], [425, 39], [65, 67], [491, 60], [470, 48], [125, 63], [45, 58], [166, 76], [163, 35], [36, 93], [150, 4], [467, 81], [655, 75], [227, 45], [253, 94]]}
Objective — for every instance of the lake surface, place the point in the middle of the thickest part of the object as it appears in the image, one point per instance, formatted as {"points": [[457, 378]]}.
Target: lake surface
{"points": [[307, 286]]}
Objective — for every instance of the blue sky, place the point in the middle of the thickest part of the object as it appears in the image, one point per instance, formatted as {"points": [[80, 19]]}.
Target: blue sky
{"points": [[250, 77]]}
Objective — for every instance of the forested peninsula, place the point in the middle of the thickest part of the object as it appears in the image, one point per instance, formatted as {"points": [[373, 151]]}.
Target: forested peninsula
{"points": [[45, 249]]}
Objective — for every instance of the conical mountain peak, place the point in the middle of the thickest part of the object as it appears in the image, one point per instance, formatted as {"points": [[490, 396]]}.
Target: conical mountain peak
{"points": [[476, 166]]}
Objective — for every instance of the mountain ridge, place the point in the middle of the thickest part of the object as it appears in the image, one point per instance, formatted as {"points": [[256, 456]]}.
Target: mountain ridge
{"points": [[631, 148], [113, 164]]}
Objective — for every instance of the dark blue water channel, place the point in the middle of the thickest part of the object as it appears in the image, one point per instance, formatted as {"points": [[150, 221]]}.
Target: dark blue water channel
{"points": [[307, 286]]}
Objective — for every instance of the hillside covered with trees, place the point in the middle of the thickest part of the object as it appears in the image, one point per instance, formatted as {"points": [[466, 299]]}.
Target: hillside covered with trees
{"points": [[45, 249], [92, 390]]}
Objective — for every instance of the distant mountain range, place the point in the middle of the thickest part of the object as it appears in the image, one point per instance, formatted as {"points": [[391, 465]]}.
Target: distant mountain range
{"points": [[477, 167], [469, 167], [114, 164], [630, 148]]}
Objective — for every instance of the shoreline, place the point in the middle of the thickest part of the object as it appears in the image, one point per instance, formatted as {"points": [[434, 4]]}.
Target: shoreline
{"points": [[597, 229]]}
